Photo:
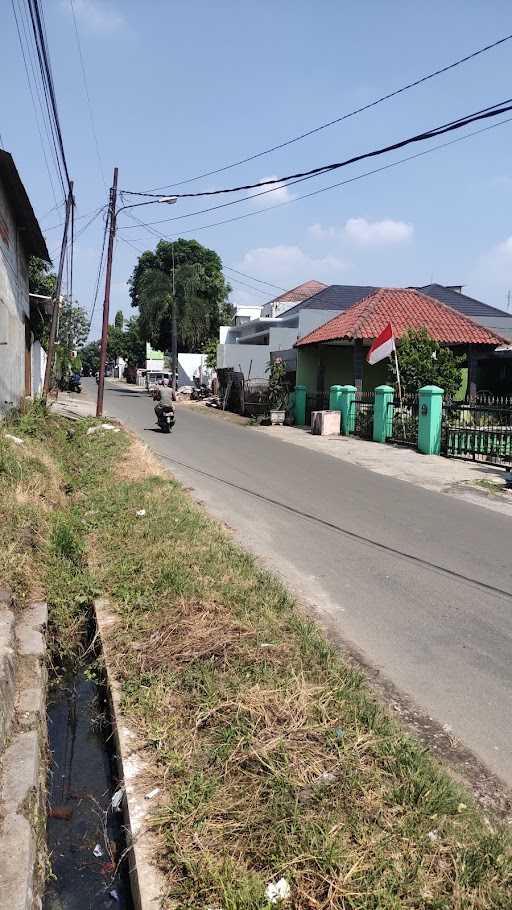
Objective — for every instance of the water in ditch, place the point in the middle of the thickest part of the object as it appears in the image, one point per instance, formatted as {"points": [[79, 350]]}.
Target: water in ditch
{"points": [[85, 834]]}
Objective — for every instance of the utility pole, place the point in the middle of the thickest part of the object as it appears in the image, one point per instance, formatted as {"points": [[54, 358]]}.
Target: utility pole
{"points": [[56, 296], [106, 302], [174, 332]]}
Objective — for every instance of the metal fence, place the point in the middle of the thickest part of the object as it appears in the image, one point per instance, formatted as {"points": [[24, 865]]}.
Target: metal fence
{"points": [[402, 420], [317, 402], [363, 414], [479, 430]]}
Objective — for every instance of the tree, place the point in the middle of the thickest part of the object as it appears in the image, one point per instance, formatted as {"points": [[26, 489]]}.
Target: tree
{"points": [[90, 357], [210, 349], [424, 361], [73, 326], [200, 295], [41, 280], [119, 320]]}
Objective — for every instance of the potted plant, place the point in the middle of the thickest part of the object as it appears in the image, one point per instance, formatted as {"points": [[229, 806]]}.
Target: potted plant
{"points": [[277, 391]]}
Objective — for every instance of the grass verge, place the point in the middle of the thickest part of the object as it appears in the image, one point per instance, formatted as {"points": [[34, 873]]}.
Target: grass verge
{"points": [[272, 756]]}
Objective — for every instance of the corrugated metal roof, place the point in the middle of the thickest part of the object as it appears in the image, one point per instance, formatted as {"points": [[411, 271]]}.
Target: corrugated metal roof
{"points": [[461, 302], [31, 237], [337, 297], [405, 309]]}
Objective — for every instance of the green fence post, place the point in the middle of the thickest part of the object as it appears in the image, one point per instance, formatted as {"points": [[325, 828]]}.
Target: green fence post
{"points": [[348, 410], [430, 419], [335, 398], [300, 405], [383, 413]]}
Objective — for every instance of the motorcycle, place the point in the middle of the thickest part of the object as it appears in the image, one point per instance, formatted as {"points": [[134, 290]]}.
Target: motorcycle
{"points": [[75, 383], [166, 420]]}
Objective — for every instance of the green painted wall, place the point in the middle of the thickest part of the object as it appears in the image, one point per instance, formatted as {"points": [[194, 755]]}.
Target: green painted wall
{"points": [[338, 365], [337, 362]]}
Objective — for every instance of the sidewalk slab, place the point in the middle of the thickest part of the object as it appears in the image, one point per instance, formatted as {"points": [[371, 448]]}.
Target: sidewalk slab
{"points": [[480, 484]]}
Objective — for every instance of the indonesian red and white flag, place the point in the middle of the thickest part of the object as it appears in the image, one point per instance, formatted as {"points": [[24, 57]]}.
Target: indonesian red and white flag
{"points": [[383, 346]]}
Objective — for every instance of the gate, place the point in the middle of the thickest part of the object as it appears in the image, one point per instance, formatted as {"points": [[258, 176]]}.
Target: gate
{"points": [[479, 431], [402, 421], [317, 402], [363, 405]]}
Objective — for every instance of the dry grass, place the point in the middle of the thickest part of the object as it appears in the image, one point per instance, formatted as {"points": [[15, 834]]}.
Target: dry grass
{"points": [[272, 756]]}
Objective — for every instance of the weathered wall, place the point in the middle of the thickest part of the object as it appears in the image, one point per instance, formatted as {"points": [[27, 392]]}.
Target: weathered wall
{"points": [[338, 368], [14, 306], [240, 356]]}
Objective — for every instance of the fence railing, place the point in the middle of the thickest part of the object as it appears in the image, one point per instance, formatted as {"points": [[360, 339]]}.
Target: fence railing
{"points": [[363, 405], [478, 431], [402, 422]]}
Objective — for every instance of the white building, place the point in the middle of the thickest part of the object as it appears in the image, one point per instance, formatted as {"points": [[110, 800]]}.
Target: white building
{"points": [[20, 238]]}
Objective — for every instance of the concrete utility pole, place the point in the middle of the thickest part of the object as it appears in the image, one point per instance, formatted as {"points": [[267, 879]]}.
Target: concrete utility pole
{"points": [[56, 296], [106, 301]]}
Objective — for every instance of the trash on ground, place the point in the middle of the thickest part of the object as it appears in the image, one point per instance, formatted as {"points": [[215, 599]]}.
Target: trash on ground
{"points": [[326, 777], [15, 439], [432, 836], [140, 513], [114, 895], [117, 799], [277, 891], [102, 426], [98, 851], [152, 793], [64, 813], [106, 868]]}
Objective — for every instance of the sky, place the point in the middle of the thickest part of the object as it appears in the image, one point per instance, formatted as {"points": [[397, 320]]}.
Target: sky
{"points": [[178, 89]]}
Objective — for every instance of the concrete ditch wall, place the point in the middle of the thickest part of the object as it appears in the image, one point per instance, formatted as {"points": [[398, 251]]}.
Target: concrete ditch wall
{"points": [[22, 753]]}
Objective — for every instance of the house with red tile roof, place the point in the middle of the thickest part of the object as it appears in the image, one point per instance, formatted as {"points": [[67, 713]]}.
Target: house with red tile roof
{"points": [[335, 352], [285, 301]]}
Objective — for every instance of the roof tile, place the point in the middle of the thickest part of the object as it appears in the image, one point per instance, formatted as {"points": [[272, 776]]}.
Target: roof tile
{"points": [[405, 309]]}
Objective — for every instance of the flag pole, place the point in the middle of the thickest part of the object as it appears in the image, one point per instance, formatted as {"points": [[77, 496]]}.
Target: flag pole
{"points": [[399, 385]]}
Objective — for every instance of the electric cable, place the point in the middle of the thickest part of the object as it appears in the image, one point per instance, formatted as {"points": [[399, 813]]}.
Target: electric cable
{"points": [[493, 110], [342, 117]]}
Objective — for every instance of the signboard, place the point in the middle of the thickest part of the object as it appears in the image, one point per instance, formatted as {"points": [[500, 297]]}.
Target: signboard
{"points": [[151, 354]]}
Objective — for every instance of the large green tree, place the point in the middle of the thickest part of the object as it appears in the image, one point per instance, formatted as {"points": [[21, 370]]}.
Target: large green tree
{"points": [[200, 294], [41, 279], [424, 361]]}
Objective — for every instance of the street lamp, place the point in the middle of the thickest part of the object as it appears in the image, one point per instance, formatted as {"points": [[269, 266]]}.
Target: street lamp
{"points": [[169, 200]]}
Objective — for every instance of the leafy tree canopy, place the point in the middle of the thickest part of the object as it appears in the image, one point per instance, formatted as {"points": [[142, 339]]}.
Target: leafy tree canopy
{"points": [[41, 279], [73, 326], [424, 361], [210, 349], [200, 295]]}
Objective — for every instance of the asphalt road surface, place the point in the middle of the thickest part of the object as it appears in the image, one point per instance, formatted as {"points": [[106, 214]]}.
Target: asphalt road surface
{"points": [[419, 583]]}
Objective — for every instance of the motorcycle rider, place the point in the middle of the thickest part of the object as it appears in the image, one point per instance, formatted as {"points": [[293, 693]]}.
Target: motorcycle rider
{"points": [[164, 396]]}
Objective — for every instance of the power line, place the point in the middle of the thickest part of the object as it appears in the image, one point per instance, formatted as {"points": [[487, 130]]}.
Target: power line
{"points": [[47, 77], [349, 180], [485, 113], [100, 270], [87, 95], [36, 117], [253, 278], [342, 117]]}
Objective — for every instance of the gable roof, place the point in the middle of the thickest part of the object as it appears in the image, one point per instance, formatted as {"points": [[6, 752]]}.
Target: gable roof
{"points": [[336, 297], [469, 306], [32, 238], [406, 309], [301, 292]]}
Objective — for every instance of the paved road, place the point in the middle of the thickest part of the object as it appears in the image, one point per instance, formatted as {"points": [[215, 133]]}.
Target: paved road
{"points": [[419, 583]]}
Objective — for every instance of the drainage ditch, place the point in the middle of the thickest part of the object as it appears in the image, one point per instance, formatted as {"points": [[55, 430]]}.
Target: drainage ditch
{"points": [[85, 834]]}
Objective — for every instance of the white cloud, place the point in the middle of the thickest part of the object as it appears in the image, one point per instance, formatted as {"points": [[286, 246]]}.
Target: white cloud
{"points": [[377, 233], [290, 265], [319, 232], [96, 15], [280, 193]]}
